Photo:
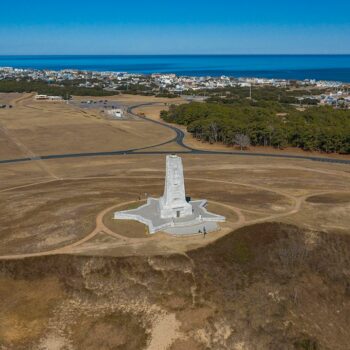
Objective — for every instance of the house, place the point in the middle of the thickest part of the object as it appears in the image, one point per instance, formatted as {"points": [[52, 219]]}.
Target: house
{"points": [[48, 98]]}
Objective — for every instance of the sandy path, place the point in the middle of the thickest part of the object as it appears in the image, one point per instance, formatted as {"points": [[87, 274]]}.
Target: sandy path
{"points": [[100, 227], [27, 185], [126, 241], [66, 249], [26, 151], [164, 332]]}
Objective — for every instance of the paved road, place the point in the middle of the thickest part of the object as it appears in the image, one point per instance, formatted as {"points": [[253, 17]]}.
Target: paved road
{"points": [[180, 135], [179, 139]]}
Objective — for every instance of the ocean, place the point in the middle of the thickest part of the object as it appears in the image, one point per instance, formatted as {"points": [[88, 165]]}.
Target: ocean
{"points": [[299, 67]]}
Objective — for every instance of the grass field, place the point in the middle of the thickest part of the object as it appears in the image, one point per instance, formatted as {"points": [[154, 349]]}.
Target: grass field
{"points": [[41, 128]]}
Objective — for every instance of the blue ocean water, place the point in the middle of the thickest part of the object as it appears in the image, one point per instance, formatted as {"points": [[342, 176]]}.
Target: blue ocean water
{"points": [[320, 67]]}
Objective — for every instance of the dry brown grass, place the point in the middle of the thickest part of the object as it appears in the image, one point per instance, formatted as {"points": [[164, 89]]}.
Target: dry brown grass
{"points": [[153, 111], [127, 228], [26, 307], [267, 286], [260, 287], [52, 215], [56, 128], [138, 99], [9, 98], [8, 148], [330, 198], [116, 331]]}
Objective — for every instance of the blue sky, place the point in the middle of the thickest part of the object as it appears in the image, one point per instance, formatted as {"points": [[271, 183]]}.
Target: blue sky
{"points": [[174, 27]]}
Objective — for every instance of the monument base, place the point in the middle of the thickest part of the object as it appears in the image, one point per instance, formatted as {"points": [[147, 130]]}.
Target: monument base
{"points": [[175, 212], [199, 221]]}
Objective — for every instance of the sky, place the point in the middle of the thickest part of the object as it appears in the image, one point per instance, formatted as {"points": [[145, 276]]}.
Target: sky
{"points": [[64, 27]]}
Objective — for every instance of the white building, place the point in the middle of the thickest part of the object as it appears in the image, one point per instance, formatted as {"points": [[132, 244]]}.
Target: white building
{"points": [[47, 98], [116, 113]]}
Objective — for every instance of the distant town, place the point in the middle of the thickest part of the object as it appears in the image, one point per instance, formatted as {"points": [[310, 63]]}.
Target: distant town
{"points": [[332, 93]]}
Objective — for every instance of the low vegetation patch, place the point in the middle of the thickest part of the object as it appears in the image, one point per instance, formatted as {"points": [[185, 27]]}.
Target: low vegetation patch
{"points": [[116, 331], [263, 286], [331, 198]]}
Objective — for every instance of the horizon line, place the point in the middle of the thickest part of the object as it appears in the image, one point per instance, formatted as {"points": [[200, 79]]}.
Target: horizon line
{"points": [[185, 54]]}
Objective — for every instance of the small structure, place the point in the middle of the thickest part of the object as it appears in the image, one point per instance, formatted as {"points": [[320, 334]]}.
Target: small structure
{"points": [[41, 97], [48, 98], [172, 213], [116, 113]]}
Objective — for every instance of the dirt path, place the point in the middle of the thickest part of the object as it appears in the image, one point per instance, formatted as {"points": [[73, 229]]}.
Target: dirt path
{"points": [[165, 330], [19, 100], [66, 249], [126, 241], [26, 151], [27, 185], [296, 201]]}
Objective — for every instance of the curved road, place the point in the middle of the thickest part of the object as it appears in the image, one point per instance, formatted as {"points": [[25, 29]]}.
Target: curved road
{"points": [[178, 139]]}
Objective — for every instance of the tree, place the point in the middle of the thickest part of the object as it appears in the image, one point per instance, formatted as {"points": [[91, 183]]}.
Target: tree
{"points": [[242, 140], [279, 138], [214, 131]]}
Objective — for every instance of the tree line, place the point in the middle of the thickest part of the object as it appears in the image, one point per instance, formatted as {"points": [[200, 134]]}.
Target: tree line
{"points": [[69, 88], [265, 124], [41, 87]]}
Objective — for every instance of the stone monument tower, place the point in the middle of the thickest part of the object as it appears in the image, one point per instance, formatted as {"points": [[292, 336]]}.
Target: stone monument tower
{"points": [[171, 213], [173, 204]]}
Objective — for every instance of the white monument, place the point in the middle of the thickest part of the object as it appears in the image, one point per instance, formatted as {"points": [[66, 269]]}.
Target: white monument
{"points": [[172, 213], [173, 204]]}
